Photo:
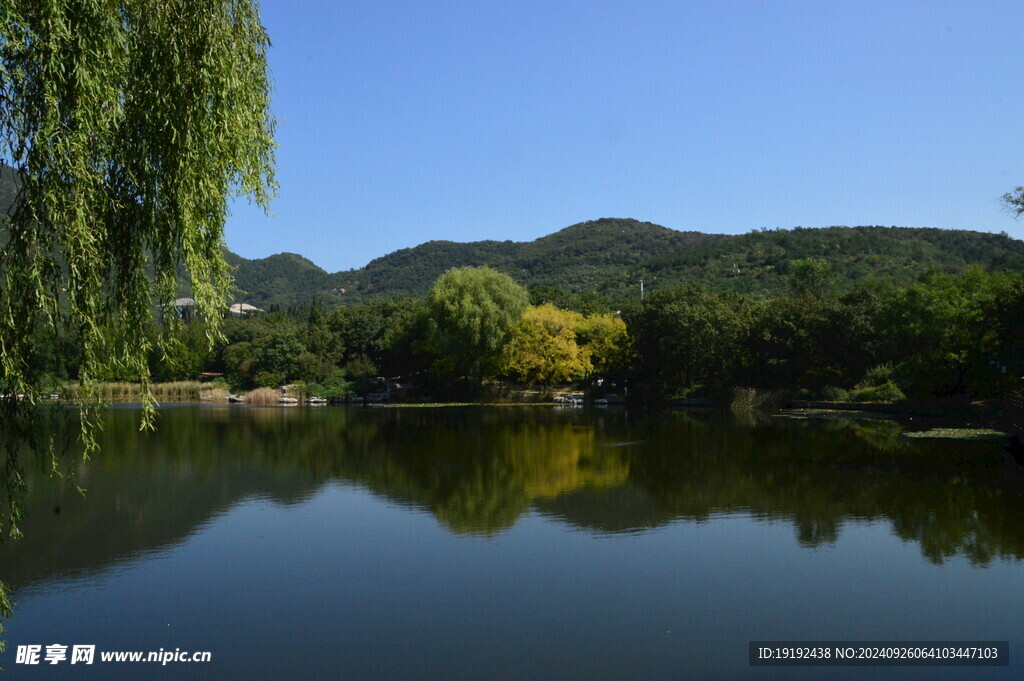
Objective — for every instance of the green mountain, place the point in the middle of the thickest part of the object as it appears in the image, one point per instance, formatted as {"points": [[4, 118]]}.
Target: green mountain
{"points": [[284, 279], [583, 257], [759, 261], [608, 256], [589, 256]]}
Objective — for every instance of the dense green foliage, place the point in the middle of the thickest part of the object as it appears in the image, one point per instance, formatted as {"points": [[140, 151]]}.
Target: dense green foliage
{"points": [[596, 266], [686, 338], [759, 262], [338, 352], [470, 312], [944, 335], [124, 169], [284, 279]]}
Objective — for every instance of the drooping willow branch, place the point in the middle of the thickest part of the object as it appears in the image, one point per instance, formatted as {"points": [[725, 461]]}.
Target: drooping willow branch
{"points": [[131, 125]]}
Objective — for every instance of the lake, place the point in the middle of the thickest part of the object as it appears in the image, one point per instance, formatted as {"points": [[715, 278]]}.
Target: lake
{"points": [[512, 543]]}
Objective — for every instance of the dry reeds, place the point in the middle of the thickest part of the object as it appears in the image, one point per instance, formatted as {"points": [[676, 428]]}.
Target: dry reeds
{"points": [[178, 390], [262, 396], [752, 399], [183, 391], [213, 394]]}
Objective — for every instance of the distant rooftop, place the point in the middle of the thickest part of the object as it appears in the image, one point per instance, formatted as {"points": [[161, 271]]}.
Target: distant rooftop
{"points": [[244, 308]]}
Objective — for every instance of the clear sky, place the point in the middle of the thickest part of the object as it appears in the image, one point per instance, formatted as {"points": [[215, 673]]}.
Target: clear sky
{"points": [[403, 122]]}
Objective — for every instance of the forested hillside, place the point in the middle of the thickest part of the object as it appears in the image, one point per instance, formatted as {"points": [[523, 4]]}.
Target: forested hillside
{"points": [[283, 279], [758, 262], [609, 256], [588, 256]]}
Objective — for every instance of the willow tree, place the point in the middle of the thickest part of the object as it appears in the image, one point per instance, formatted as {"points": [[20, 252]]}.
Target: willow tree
{"points": [[470, 312], [131, 125]]}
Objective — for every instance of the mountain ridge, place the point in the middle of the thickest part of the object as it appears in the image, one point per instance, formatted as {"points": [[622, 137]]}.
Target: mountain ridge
{"points": [[608, 256]]}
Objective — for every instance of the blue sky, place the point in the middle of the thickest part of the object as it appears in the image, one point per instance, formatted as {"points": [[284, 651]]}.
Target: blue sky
{"points": [[403, 122]]}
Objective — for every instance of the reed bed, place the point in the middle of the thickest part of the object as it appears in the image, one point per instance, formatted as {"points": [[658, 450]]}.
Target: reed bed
{"points": [[213, 394], [185, 391], [262, 396], [752, 399]]}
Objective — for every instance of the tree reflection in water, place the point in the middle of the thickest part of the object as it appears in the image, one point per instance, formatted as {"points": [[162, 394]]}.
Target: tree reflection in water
{"points": [[478, 470]]}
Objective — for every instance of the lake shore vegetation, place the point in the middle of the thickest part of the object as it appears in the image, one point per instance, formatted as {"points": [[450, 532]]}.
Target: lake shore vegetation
{"points": [[478, 334]]}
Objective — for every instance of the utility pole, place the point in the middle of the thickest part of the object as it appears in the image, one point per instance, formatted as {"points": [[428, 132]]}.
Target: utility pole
{"points": [[641, 289]]}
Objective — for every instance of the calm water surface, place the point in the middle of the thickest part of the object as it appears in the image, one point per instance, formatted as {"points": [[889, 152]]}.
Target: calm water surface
{"points": [[512, 543]]}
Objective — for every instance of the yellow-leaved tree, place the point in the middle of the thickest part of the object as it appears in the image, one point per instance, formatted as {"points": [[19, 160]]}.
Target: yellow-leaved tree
{"points": [[543, 348], [551, 346]]}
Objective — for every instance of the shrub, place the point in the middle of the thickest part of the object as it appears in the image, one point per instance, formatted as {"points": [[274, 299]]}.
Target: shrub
{"points": [[878, 376], [887, 392], [834, 394], [878, 385], [335, 387]]}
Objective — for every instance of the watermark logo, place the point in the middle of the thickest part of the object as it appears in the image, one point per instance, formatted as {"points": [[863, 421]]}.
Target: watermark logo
{"points": [[56, 653], [28, 655]]}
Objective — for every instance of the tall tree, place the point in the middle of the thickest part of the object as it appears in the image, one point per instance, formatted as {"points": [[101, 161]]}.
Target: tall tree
{"points": [[131, 125], [957, 334], [470, 312], [686, 338]]}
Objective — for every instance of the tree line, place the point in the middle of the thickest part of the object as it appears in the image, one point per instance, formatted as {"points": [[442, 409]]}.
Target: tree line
{"points": [[943, 335]]}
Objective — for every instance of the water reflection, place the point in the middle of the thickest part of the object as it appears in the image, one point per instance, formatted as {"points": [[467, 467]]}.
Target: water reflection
{"points": [[478, 471]]}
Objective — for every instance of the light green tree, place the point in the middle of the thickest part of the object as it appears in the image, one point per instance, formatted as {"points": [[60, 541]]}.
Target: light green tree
{"points": [[131, 124], [470, 312]]}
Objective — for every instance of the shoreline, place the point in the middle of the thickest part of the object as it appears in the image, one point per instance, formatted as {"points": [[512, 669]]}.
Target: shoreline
{"points": [[981, 424]]}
